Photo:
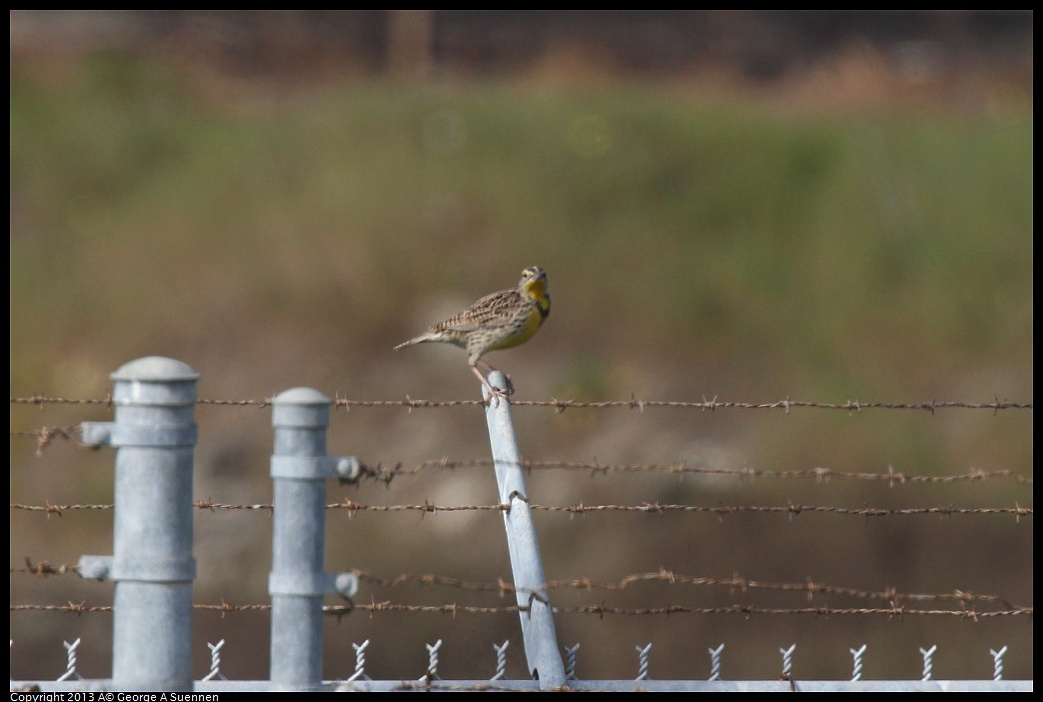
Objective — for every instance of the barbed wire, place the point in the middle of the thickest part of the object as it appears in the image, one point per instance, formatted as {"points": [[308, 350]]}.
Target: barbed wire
{"points": [[648, 507], [45, 435], [386, 473], [735, 582], [44, 568], [381, 473], [599, 610], [38, 399], [502, 587], [711, 404], [561, 405]]}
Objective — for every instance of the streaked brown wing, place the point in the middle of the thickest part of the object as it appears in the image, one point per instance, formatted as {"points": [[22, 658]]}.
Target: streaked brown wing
{"points": [[492, 311]]}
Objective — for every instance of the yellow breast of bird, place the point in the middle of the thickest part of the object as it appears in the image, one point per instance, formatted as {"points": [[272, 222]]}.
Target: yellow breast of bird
{"points": [[529, 326], [533, 319]]}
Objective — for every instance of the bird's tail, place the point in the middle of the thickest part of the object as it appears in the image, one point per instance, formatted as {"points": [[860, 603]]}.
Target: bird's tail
{"points": [[428, 336]]}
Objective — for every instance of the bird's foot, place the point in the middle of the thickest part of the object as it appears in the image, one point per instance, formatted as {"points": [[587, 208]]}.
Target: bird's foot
{"points": [[495, 393], [509, 390]]}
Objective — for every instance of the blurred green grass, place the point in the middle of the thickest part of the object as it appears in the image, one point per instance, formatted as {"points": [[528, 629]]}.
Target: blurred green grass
{"points": [[871, 255]]}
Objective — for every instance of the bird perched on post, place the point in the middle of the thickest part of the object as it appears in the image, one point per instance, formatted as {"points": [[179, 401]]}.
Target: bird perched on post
{"points": [[498, 321]]}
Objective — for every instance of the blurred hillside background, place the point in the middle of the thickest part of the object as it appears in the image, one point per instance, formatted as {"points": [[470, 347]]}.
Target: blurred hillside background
{"points": [[747, 205]]}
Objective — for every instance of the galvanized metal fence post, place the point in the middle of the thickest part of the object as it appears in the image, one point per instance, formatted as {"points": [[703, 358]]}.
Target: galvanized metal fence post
{"points": [[298, 582], [541, 641], [154, 433]]}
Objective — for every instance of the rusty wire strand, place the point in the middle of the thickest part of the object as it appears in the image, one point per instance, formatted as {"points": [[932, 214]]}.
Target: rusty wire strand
{"points": [[503, 587], [380, 472], [44, 568], [735, 582], [561, 405], [38, 399], [599, 610], [655, 508]]}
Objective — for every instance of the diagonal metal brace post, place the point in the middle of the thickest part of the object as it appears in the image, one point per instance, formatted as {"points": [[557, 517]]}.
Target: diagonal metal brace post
{"points": [[537, 623]]}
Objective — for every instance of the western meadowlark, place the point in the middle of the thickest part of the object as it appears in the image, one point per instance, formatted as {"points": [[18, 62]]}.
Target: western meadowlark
{"points": [[497, 321]]}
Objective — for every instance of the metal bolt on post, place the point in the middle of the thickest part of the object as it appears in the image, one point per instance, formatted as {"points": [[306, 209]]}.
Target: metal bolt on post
{"points": [[298, 581], [154, 433], [537, 622]]}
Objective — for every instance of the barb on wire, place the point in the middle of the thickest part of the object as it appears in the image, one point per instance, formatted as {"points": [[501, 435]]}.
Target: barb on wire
{"points": [[44, 568], [228, 608], [71, 607], [45, 435], [50, 509]]}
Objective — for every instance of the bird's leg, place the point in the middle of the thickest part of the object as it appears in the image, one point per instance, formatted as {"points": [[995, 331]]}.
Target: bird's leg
{"points": [[494, 393], [510, 385]]}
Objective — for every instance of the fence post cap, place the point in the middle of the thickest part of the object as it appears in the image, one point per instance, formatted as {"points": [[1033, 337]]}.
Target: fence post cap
{"points": [[154, 369], [301, 396]]}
